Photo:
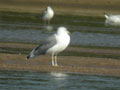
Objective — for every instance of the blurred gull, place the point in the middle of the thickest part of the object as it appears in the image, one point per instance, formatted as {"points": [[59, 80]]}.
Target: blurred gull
{"points": [[47, 15], [59, 75], [53, 45], [113, 20]]}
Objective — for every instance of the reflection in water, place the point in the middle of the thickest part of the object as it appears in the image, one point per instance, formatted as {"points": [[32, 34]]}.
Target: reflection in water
{"points": [[59, 79], [48, 28], [35, 33], [26, 80], [59, 75], [77, 38]]}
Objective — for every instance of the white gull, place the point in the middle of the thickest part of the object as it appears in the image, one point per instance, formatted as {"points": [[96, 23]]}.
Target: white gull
{"points": [[53, 45], [47, 15], [112, 20]]}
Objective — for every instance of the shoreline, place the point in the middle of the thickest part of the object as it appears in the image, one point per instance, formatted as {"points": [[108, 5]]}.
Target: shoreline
{"points": [[82, 65], [98, 61], [72, 7], [67, 63], [84, 51]]}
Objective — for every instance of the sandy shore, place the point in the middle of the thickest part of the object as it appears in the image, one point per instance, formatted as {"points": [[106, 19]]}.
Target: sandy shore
{"points": [[82, 65], [76, 64], [72, 7]]}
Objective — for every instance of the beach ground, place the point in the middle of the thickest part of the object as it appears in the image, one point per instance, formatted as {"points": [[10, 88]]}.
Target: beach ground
{"points": [[70, 64], [72, 7]]}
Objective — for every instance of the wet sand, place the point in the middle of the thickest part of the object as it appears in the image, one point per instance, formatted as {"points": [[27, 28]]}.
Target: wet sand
{"points": [[70, 64], [76, 64], [72, 7]]}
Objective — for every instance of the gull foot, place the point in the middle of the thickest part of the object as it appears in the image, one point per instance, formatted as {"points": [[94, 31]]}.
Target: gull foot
{"points": [[55, 65]]}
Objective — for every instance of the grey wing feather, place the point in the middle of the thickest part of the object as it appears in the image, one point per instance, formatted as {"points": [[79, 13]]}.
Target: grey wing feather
{"points": [[44, 13], [42, 48]]}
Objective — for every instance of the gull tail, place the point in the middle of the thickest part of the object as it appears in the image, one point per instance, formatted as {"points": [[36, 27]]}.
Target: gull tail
{"points": [[31, 55], [28, 57]]}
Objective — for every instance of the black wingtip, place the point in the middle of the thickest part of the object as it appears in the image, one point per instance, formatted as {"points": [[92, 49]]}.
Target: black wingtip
{"points": [[28, 57]]}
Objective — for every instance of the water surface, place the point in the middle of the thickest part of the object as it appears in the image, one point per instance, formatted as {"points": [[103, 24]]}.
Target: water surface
{"points": [[84, 31], [27, 80], [77, 38], [27, 28]]}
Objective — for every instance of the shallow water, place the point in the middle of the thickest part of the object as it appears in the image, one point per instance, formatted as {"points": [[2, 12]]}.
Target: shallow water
{"points": [[77, 38], [85, 30], [26, 80], [29, 33]]}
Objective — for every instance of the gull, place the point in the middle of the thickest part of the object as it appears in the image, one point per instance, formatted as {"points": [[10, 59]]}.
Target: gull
{"points": [[47, 15], [53, 45], [113, 20]]}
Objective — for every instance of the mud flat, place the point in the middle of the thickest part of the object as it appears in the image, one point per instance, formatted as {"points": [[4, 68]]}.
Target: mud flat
{"points": [[84, 60], [82, 65], [67, 63], [72, 7]]}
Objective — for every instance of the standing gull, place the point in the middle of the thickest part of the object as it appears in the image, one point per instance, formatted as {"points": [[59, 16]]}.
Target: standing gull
{"points": [[53, 45], [47, 15]]}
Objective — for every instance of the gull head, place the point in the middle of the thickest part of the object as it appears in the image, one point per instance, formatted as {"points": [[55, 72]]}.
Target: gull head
{"points": [[49, 8], [106, 15], [62, 30]]}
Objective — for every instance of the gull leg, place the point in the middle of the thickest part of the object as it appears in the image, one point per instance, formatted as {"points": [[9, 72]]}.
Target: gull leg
{"points": [[53, 63], [48, 22], [56, 60], [44, 23]]}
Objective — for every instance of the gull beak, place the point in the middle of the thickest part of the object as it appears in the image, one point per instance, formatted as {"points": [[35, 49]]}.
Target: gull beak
{"points": [[68, 32]]}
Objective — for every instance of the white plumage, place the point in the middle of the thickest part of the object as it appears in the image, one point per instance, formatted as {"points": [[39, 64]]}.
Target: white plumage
{"points": [[112, 20], [47, 15], [62, 39], [53, 45]]}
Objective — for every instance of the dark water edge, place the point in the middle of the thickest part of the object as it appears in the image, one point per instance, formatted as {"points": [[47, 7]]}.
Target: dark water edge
{"points": [[24, 51], [77, 38], [21, 80], [86, 31]]}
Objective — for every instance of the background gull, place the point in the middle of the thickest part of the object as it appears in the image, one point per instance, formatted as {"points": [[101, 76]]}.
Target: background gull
{"points": [[47, 15], [113, 20], [53, 45]]}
